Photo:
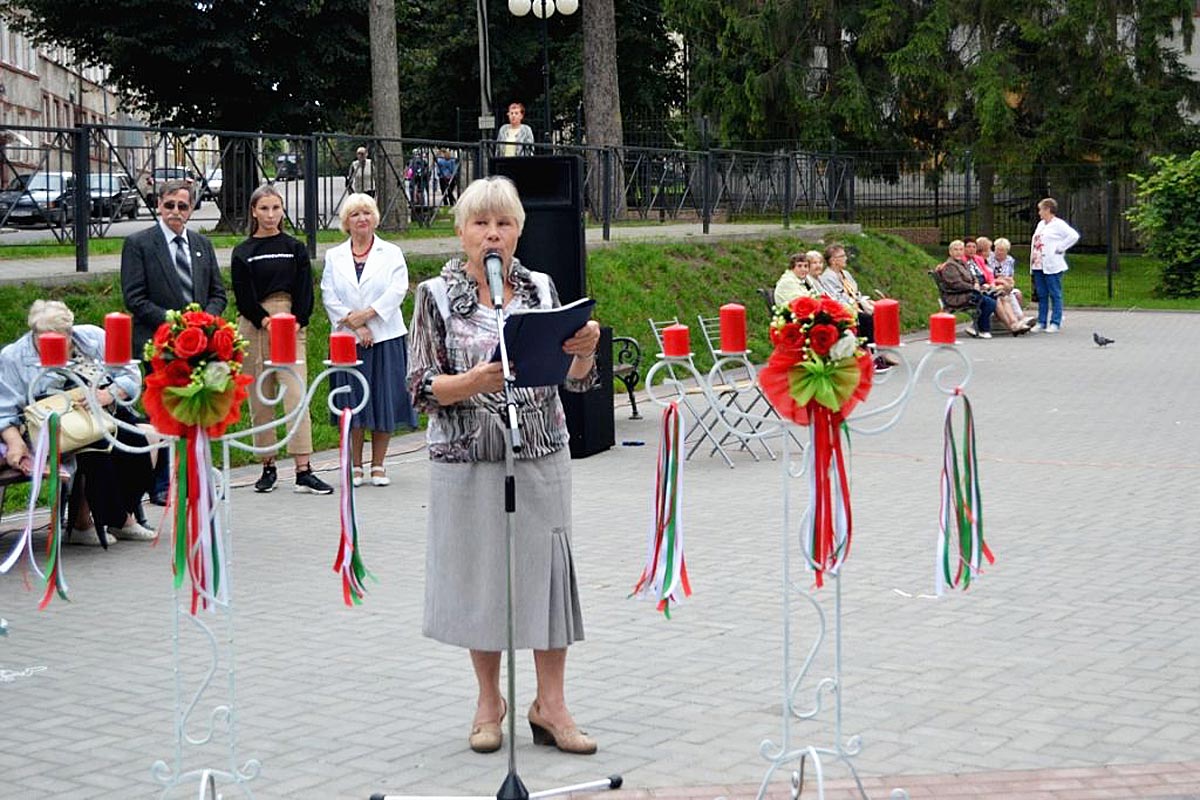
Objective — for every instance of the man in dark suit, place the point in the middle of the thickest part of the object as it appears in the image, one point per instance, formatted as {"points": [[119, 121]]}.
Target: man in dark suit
{"points": [[166, 267]]}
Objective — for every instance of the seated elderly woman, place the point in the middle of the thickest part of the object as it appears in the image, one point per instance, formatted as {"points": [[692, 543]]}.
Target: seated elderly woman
{"points": [[112, 481], [962, 290], [795, 281]]}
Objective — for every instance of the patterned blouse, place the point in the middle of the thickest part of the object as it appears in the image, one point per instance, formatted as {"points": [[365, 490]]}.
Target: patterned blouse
{"points": [[472, 429]]}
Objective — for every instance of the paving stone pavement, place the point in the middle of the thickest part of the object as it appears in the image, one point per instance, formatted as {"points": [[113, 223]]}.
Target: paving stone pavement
{"points": [[1071, 670]]}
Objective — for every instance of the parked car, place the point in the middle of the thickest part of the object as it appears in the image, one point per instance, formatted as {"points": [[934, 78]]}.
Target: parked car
{"points": [[287, 167], [113, 196], [211, 185], [42, 197], [149, 181]]}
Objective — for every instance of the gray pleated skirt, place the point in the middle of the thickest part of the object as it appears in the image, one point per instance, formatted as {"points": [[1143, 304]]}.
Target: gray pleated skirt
{"points": [[465, 566]]}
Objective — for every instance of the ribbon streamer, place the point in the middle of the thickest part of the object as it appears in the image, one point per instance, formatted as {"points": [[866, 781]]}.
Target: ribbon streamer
{"points": [[199, 541], [348, 562], [665, 575], [827, 525], [961, 505], [46, 461]]}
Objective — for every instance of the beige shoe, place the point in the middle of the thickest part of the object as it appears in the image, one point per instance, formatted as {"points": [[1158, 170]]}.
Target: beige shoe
{"points": [[569, 739], [134, 532], [486, 737], [88, 537]]}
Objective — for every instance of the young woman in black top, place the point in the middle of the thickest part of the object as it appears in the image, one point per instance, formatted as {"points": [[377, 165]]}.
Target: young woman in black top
{"points": [[272, 274]]}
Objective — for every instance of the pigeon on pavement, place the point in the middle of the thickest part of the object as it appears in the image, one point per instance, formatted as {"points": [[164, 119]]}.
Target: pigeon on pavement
{"points": [[1101, 340]]}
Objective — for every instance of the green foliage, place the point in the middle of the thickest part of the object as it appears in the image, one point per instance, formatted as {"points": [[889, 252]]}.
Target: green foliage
{"points": [[288, 65], [1167, 218]]}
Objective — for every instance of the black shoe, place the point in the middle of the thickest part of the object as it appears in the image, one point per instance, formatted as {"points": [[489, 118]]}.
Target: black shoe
{"points": [[159, 498], [882, 364], [308, 482], [266, 481]]}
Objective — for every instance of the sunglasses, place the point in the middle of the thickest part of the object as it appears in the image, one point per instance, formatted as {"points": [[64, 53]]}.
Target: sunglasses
{"points": [[172, 205]]}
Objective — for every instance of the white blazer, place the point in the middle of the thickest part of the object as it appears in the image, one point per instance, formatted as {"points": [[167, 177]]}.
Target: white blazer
{"points": [[382, 287]]}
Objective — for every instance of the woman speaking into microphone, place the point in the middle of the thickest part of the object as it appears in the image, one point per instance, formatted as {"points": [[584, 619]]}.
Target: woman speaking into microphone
{"points": [[453, 379]]}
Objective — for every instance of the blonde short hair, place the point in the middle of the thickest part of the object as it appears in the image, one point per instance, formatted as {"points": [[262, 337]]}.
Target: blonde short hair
{"points": [[1002, 243], [979, 242], [47, 316], [494, 194], [954, 244], [358, 202]]}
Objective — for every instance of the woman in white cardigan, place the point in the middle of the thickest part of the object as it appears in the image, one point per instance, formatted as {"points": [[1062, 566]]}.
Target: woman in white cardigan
{"points": [[364, 282]]}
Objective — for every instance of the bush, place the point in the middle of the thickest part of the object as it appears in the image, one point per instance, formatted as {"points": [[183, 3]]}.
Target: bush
{"points": [[1167, 218]]}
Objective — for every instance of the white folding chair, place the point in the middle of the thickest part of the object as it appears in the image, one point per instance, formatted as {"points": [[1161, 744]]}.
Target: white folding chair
{"points": [[695, 399], [742, 388]]}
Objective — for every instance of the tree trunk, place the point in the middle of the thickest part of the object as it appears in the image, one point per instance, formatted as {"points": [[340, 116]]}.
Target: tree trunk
{"points": [[388, 159], [240, 176], [602, 104], [986, 174]]}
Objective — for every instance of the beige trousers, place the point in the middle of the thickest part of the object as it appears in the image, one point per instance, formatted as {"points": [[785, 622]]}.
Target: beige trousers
{"points": [[294, 387]]}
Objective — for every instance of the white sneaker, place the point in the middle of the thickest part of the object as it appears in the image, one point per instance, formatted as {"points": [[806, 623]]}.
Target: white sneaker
{"points": [[970, 331], [1038, 329], [1051, 328], [88, 537], [984, 335], [134, 531], [379, 477]]}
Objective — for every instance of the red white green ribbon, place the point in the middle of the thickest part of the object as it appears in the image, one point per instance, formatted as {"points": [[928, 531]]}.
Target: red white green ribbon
{"points": [[46, 461], [199, 546], [349, 562], [961, 520], [664, 575], [827, 526]]}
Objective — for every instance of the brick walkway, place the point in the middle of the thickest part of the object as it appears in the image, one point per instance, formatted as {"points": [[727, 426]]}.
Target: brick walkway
{"points": [[1070, 671]]}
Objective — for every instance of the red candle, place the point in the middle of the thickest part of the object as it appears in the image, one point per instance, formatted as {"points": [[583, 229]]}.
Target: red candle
{"points": [[343, 348], [733, 328], [52, 347], [118, 338], [283, 339], [676, 341], [887, 322], [941, 328]]}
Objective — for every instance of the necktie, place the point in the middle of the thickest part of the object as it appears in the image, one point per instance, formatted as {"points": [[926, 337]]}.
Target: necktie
{"points": [[184, 268]]}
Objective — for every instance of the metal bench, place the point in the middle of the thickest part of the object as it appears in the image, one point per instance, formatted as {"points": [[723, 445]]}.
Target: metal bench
{"points": [[627, 358]]}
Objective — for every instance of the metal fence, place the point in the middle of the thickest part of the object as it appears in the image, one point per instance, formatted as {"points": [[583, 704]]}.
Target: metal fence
{"points": [[416, 181]]}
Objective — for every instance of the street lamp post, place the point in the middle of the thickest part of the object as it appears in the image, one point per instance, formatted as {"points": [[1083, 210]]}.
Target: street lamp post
{"points": [[543, 10]]}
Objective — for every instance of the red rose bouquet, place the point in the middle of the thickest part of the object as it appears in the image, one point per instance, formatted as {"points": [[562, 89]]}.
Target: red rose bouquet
{"points": [[195, 390], [196, 374], [819, 371]]}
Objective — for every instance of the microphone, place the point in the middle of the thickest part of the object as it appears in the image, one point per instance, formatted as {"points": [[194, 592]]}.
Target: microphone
{"points": [[493, 266]]}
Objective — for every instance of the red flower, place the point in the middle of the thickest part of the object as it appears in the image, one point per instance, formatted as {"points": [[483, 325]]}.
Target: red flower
{"points": [[789, 338], [190, 342], [822, 337], [178, 373], [198, 319], [162, 335], [158, 363], [804, 306], [840, 312], [222, 342]]}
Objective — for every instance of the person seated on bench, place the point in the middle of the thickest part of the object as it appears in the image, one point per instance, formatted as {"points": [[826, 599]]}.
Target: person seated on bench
{"points": [[837, 282], [113, 482], [1004, 268], [796, 280]]}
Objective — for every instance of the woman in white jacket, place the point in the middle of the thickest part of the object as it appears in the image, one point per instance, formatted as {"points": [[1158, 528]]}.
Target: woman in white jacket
{"points": [[1051, 240], [364, 282]]}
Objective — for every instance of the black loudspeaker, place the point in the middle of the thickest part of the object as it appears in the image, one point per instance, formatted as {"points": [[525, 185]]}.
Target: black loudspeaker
{"points": [[590, 414], [551, 189]]}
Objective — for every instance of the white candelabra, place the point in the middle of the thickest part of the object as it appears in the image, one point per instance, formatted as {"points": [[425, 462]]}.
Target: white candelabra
{"points": [[205, 713], [679, 381]]}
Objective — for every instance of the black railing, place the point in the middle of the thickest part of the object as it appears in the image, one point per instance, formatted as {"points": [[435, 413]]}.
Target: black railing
{"points": [[415, 180]]}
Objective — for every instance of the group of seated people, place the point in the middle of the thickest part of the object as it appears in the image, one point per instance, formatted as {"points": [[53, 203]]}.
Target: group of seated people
{"points": [[980, 279], [814, 274]]}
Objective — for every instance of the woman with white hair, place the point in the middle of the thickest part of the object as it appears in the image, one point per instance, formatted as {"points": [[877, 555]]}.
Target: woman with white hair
{"points": [[364, 282], [113, 482], [453, 379]]}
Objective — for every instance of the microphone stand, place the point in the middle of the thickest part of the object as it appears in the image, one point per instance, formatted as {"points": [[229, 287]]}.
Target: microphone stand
{"points": [[513, 788]]}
